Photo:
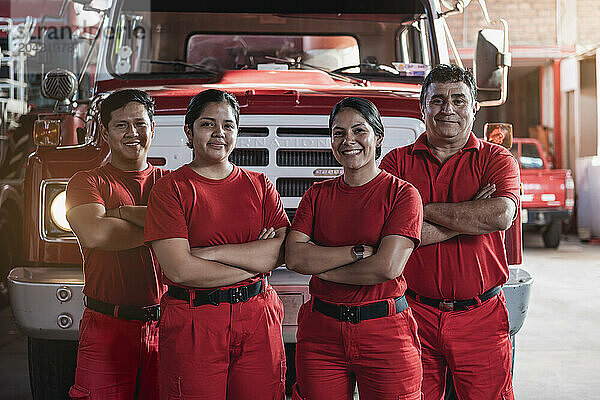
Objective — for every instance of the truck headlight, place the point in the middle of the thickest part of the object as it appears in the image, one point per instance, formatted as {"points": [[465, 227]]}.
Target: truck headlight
{"points": [[53, 214], [58, 211]]}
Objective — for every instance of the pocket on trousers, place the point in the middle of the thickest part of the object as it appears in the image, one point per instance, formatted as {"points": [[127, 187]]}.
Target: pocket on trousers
{"points": [[412, 326], [77, 392], [278, 303], [120, 391], [502, 312]]}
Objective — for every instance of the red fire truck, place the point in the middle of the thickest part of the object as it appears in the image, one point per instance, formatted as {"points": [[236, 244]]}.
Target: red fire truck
{"points": [[286, 69]]}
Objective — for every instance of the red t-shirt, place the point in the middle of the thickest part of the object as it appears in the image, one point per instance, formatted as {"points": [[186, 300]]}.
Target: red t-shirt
{"points": [[211, 212], [126, 277], [467, 265], [335, 214]]}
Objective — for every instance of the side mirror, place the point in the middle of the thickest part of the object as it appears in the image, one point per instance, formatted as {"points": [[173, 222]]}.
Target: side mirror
{"points": [[490, 65], [500, 133]]}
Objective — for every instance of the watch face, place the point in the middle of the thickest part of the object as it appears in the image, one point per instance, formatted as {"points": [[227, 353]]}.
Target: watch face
{"points": [[358, 251]]}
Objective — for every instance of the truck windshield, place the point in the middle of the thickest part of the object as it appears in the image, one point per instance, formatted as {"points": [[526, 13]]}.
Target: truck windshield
{"points": [[149, 39]]}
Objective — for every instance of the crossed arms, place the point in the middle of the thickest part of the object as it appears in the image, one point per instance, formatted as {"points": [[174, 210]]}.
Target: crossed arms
{"points": [[338, 264], [112, 230], [483, 214], [123, 228], [221, 265]]}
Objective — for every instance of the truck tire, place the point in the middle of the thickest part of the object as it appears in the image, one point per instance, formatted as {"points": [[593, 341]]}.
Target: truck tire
{"points": [[290, 373], [551, 235], [51, 368]]}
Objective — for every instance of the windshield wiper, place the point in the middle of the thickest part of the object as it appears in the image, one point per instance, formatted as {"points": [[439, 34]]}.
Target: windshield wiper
{"points": [[354, 81], [197, 67], [368, 66]]}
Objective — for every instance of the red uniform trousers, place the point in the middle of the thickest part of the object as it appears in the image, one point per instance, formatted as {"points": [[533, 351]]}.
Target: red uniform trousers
{"points": [[117, 359], [229, 351], [382, 355], [474, 344]]}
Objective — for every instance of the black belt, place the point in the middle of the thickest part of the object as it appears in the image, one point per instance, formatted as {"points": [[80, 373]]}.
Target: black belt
{"points": [[130, 313], [355, 314], [217, 296], [454, 305]]}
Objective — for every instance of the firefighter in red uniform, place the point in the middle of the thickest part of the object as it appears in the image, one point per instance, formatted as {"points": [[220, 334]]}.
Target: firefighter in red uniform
{"points": [[118, 334], [218, 231], [470, 191], [354, 234]]}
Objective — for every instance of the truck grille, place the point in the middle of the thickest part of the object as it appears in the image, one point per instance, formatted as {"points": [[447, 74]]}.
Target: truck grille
{"points": [[302, 132], [306, 158], [295, 187], [250, 157], [250, 131]]}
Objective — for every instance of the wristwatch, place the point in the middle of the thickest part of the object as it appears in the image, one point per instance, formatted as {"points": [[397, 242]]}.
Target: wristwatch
{"points": [[358, 251]]}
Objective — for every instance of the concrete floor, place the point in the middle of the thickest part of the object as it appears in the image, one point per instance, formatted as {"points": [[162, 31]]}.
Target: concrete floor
{"points": [[14, 374], [558, 348]]}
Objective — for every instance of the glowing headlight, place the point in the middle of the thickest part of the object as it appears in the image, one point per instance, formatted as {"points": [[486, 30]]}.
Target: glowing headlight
{"points": [[54, 226], [58, 211]]}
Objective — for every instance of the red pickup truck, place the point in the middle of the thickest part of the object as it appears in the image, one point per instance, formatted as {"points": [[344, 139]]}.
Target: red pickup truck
{"points": [[548, 194]]}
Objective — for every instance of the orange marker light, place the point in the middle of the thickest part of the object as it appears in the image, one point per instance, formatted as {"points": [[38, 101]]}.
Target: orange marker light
{"points": [[46, 132]]}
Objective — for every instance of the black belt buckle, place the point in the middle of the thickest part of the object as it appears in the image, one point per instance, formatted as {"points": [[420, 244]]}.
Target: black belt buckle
{"points": [[151, 313], [214, 297], [446, 305], [239, 294], [350, 314]]}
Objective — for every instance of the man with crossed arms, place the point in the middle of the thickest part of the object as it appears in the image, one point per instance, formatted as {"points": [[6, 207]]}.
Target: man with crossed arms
{"points": [[470, 192]]}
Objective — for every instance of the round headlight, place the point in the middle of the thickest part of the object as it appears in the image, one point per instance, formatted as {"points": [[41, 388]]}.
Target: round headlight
{"points": [[58, 211]]}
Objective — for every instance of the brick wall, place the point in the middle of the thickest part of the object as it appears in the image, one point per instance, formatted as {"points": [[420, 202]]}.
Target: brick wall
{"points": [[534, 22], [530, 22], [588, 23]]}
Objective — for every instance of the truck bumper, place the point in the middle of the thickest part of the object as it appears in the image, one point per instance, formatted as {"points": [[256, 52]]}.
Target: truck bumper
{"points": [[517, 290], [292, 289], [47, 302], [541, 216]]}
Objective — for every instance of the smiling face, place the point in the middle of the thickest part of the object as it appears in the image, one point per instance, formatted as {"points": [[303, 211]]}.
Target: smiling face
{"points": [[214, 134], [449, 112], [353, 140], [129, 135]]}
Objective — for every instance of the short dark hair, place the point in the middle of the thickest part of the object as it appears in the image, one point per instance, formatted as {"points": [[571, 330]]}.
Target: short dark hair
{"points": [[367, 109], [200, 101], [446, 73], [120, 99]]}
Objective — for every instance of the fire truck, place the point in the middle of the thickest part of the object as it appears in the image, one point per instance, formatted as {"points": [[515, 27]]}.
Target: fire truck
{"points": [[287, 68]]}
